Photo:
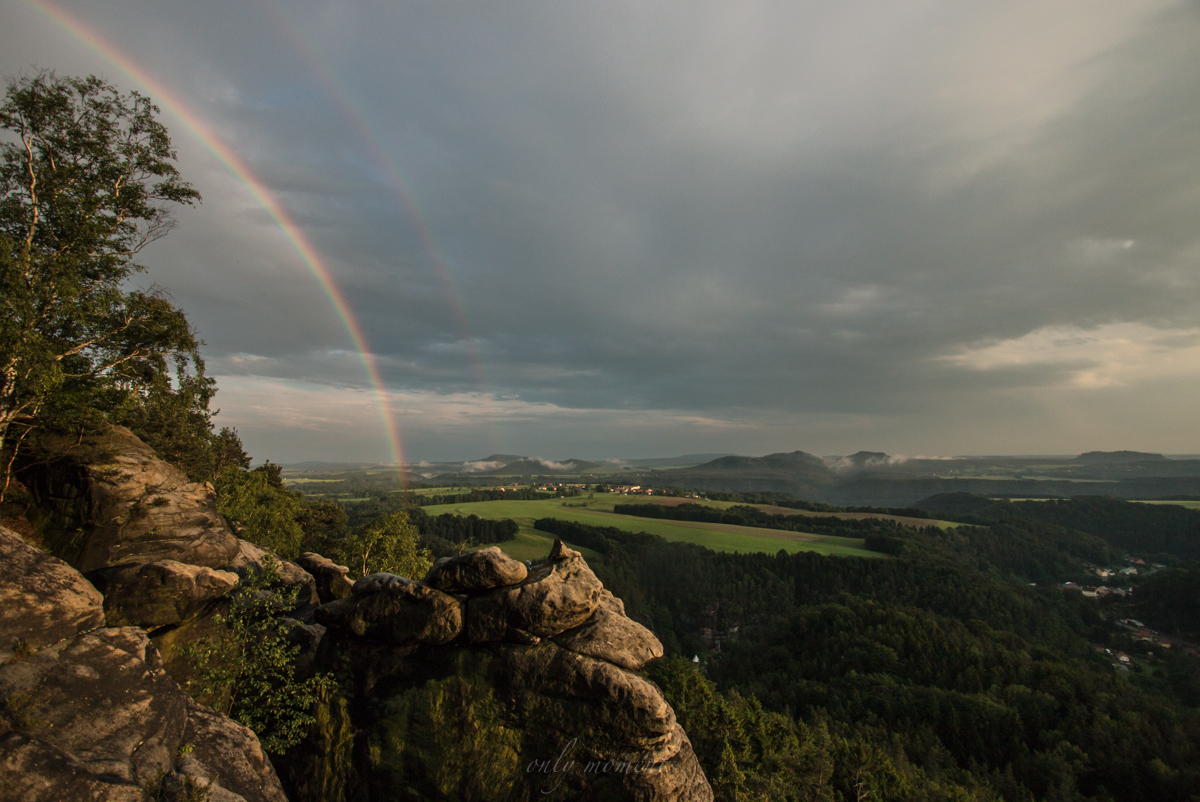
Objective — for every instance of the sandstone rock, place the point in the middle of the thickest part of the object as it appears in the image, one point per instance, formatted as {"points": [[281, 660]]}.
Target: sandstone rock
{"points": [[623, 713], [32, 770], [609, 715], [576, 692], [164, 592], [290, 574], [331, 580], [115, 503], [42, 599], [229, 754], [377, 583], [395, 610], [97, 717], [609, 635], [102, 698], [474, 571], [557, 595]]}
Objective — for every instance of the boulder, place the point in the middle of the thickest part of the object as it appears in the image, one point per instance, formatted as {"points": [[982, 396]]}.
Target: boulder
{"points": [[394, 610], [114, 503], [555, 679], [609, 635], [96, 717], [290, 575], [42, 599], [32, 770], [102, 698], [165, 592], [558, 594], [331, 580], [226, 753], [599, 714], [617, 712], [475, 571]]}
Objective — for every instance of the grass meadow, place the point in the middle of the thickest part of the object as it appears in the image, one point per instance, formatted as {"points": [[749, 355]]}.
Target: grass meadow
{"points": [[531, 544]]}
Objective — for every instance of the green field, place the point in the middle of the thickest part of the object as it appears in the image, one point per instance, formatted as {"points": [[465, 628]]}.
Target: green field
{"points": [[531, 544], [1191, 505]]}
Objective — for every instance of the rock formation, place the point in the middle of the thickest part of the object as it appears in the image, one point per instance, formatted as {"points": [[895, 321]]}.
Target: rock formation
{"points": [[90, 713], [490, 679], [542, 659]]}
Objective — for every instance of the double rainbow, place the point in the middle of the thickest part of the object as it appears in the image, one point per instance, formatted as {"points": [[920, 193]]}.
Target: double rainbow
{"points": [[311, 258]]}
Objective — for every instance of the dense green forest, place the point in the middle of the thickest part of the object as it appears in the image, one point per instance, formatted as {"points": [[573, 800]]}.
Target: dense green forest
{"points": [[744, 515], [942, 673], [1160, 531]]}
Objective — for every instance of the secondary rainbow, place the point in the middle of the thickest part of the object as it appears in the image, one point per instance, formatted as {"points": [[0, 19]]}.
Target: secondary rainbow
{"points": [[167, 100], [357, 117]]}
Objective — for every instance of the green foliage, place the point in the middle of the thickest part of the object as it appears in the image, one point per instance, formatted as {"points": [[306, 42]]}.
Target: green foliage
{"points": [[228, 451], [447, 739], [389, 544], [172, 417], [750, 753], [260, 511], [86, 182], [1146, 529], [1170, 600], [449, 534], [328, 773], [249, 673]]}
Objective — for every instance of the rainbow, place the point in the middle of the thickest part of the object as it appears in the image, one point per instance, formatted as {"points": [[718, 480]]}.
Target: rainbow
{"points": [[354, 113], [167, 100]]}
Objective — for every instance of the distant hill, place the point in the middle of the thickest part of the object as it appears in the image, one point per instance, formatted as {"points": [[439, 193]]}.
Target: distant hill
{"points": [[682, 460], [503, 459], [1100, 457], [532, 466], [797, 472]]}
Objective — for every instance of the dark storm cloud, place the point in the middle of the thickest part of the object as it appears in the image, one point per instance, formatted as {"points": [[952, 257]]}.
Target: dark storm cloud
{"points": [[782, 222]]}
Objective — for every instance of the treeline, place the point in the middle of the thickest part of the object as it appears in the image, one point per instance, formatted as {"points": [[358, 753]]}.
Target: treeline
{"points": [[382, 503], [743, 515], [1170, 600], [492, 494], [941, 674], [448, 534], [1149, 530], [791, 502]]}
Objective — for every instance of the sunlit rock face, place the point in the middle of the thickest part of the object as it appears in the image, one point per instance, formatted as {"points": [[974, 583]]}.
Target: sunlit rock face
{"points": [[89, 711], [490, 679], [510, 682]]}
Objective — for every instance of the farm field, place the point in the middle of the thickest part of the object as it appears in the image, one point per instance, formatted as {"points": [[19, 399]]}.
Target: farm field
{"points": [[903, 520], [1191, 505], [532, 544]]}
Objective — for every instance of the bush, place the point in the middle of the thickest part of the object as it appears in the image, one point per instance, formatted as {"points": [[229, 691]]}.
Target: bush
{"points": [[249, 672]]}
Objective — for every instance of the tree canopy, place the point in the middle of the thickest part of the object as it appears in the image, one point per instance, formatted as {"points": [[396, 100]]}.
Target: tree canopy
{"points": [[87, 180]]}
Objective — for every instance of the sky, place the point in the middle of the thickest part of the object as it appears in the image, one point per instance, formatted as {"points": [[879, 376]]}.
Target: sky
{"points": [[637, 229]]}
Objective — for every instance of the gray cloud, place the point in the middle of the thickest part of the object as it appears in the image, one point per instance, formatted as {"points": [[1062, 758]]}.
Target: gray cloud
{"points": [[808, 226]]}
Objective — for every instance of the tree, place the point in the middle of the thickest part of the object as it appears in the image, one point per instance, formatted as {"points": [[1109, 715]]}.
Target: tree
{"points": [[248, 671], [87, 181], [389, 543], [260, 511]]}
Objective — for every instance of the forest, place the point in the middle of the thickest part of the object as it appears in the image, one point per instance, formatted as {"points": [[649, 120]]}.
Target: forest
{"points": [[944, 671]]}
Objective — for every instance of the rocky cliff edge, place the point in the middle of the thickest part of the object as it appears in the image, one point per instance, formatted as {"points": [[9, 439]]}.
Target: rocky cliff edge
{"points": [[489, 679]]}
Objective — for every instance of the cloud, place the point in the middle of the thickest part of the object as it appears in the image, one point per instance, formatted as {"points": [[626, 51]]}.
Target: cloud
{"points": [[643, 229], [1114, 354], [480, 465]]}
